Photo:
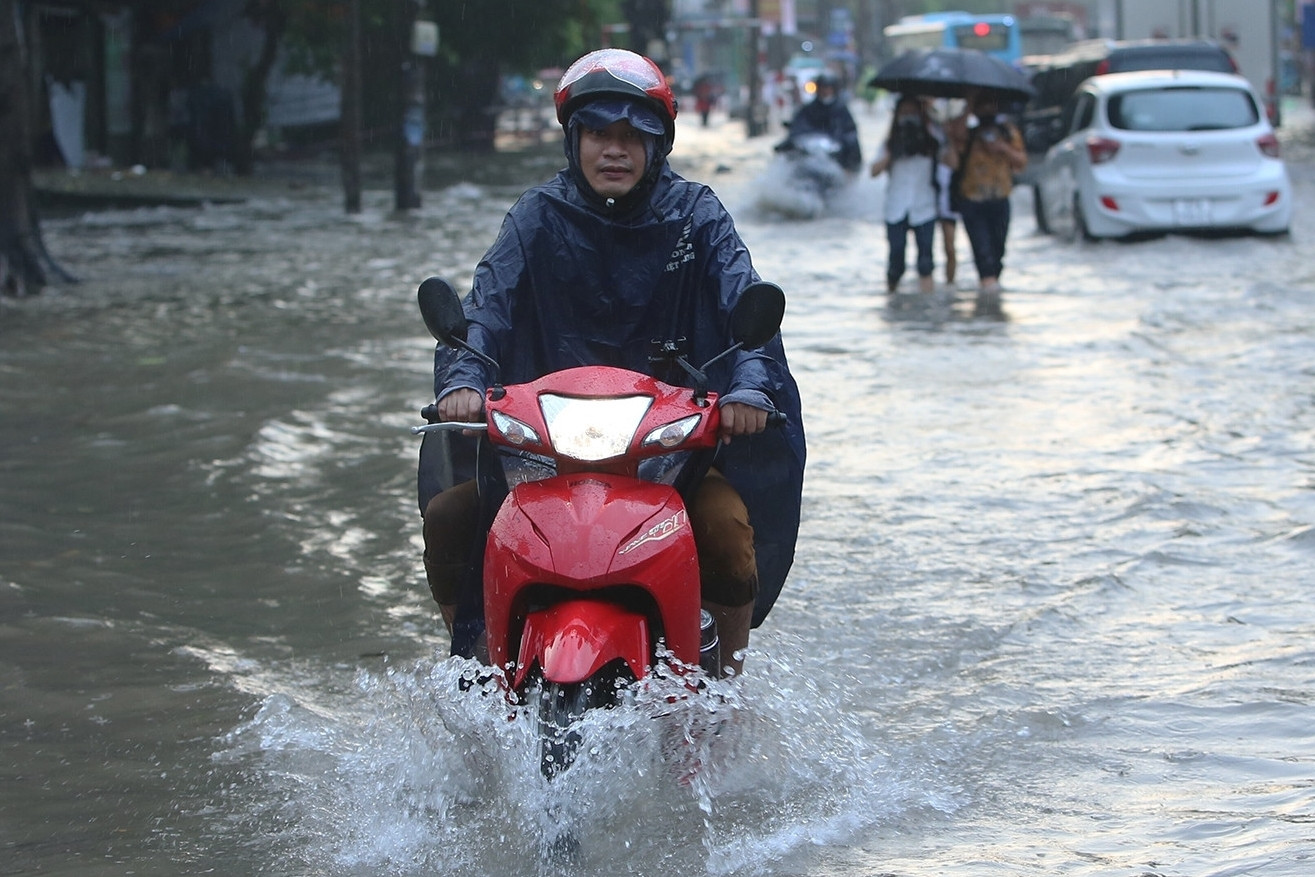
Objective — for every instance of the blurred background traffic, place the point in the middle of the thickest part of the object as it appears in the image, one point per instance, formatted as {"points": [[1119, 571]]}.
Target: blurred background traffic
{"points": [[196, 85]]}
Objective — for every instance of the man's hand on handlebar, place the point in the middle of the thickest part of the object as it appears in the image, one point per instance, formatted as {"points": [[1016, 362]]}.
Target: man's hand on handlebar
{"points": [[737, 418], [462, 406]]}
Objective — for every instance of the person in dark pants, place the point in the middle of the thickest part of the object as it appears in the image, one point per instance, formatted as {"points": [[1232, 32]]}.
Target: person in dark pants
{"points": [[909, 155], [986, 150], [987, 225]]}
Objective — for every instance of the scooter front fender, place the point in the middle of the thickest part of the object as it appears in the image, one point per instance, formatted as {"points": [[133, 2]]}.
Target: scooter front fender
{"points": [[572, 641]]}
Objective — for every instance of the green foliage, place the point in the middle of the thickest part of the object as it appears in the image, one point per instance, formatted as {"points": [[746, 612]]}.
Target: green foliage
{"points": [[315, 35], [520, 35], [516, 35], [479, 41]]}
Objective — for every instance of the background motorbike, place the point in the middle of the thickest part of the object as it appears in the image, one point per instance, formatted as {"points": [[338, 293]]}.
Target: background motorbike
{"points": [[807, 173]]}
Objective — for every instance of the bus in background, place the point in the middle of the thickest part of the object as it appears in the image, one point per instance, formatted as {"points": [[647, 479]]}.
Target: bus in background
{"points": [[1046, 34], [996, 35]]}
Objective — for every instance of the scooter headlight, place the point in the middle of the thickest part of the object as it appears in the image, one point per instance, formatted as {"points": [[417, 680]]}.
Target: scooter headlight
{"points": [[672, 434], [592, 429], [515, 432]]}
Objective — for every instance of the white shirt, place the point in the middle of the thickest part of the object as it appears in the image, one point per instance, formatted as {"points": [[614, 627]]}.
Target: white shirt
{"points": [[909, 191]]}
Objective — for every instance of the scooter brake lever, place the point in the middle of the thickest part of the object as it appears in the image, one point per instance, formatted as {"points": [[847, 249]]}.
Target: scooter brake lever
{"points": [[449, 426]]}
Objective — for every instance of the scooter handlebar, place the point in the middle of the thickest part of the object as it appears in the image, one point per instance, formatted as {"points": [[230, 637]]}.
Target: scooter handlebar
{"points": [[775, 419]]}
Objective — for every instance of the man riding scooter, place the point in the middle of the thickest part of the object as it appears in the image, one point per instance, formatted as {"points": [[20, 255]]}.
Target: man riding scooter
{"points": [[827, 114], [589, 269]]}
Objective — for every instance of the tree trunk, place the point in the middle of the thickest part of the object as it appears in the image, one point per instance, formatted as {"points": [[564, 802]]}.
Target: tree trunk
{"points": [[21, 252], [273, 19], [409, 146], [350, 133]]}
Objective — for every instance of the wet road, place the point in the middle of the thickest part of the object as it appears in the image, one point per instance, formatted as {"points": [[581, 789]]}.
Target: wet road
{"points": [[1050, 611]]}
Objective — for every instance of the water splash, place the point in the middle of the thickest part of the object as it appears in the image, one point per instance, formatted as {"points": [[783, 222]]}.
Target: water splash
{"points": [[405, 773]]}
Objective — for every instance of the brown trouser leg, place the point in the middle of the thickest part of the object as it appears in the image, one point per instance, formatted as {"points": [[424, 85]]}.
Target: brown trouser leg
{"points": [[948, 227], [727, 564], [451, 520]]}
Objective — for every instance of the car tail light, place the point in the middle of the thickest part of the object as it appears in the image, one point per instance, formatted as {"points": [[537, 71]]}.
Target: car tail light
{"points": [[1268, 144], [1103, 67], [1271, 198], [1108, 202], [1102, 149]]}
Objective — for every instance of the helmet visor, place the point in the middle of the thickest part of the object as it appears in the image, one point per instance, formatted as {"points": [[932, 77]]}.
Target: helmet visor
{"points": [[621, 64], [597, 115]]}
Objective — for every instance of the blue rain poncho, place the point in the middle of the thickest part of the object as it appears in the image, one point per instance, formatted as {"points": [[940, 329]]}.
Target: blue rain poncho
{"points": [[568, 283]]}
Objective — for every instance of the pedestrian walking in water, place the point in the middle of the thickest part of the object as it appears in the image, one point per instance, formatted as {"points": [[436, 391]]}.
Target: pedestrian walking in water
{"points": [[909, 156], [987, 152]]}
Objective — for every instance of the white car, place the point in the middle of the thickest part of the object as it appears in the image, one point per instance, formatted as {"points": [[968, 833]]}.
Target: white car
{"points": [[1163, 150]]}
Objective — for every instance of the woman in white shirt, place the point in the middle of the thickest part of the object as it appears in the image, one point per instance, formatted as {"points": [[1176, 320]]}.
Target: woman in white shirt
{"points": [[909, 155]]}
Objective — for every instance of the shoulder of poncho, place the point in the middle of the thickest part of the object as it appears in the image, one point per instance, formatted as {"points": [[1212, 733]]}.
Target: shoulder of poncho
{"points": [[681, 197], [558, 190], [537, 205]]}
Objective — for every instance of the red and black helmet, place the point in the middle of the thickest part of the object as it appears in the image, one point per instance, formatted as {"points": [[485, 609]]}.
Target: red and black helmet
{"points": [[615, 73]]}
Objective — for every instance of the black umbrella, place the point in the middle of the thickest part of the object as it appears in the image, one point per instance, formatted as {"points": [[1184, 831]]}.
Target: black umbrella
{"points": [[952, 73]]}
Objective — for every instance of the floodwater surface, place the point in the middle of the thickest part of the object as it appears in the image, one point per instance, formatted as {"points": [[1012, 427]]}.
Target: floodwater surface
{"points": [[1050, 611]]}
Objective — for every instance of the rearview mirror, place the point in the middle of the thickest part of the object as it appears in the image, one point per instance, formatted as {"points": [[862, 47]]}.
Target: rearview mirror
{"points": [[440, 306], [757, 315]]}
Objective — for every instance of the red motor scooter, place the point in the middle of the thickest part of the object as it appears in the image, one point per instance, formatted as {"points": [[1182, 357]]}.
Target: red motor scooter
{"points": [[590, 574]]}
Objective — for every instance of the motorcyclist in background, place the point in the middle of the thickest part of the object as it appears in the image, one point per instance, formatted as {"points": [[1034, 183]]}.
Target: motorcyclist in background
{"points": [[827, 114], [591, 268]]}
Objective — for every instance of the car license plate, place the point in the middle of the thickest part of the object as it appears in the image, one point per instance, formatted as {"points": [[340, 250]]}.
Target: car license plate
{"points": [[1191, 211]]}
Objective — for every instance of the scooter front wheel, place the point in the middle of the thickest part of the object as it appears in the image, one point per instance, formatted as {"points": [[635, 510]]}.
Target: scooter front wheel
{"points": [[561, 706]]}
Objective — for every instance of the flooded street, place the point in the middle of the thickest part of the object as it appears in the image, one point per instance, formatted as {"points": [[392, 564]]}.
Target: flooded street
{"points": [[1050, 611]]}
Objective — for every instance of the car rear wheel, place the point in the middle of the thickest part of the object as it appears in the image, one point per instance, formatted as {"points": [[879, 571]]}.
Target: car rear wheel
{"points": [[1060, 219], [1039, 210], [1080, 228]]}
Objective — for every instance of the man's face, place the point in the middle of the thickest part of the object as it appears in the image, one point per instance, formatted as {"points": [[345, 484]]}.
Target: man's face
{"points": [[612, 158]]}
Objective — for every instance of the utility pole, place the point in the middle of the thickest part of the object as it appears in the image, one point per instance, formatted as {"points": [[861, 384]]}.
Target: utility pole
{"points": [[419, 40], [755, 123], [350, 132]]}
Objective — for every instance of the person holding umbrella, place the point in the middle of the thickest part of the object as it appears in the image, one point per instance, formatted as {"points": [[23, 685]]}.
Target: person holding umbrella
{"points": [[985, 151], [909, 155]]}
